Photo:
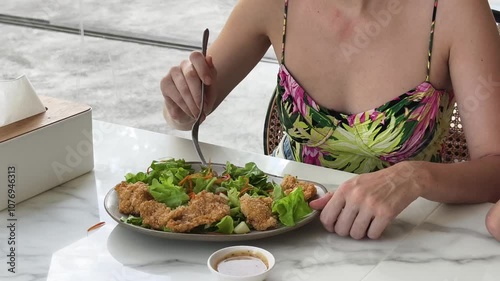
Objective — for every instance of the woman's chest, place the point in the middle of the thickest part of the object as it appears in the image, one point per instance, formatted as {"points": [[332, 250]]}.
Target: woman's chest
{"points": [[355, 63]]}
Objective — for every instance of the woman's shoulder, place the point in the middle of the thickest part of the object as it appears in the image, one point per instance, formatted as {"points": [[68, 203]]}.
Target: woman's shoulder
{"points": [[465, 12], [262, 6], [458, 20], [262, 15]]}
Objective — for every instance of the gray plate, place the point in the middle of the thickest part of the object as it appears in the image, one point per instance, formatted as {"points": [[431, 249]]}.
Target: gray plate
{"points": [[111, 206]]}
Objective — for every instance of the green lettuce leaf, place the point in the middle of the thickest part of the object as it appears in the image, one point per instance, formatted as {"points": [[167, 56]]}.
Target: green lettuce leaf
{"points": [[168, 193], [177, 174], [171, 168], [292, 207], [277, 192], [237, 183], [233, 212], [226, 225], [234, 197], [255, 176], [133, 178], [132, 220], [201, 184]]}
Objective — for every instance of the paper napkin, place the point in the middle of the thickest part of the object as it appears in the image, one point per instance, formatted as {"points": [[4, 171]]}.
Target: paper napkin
{"points": [[18, 100]]}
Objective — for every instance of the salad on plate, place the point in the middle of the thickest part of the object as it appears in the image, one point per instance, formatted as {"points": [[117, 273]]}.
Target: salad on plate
{"points": [[185, 197]]}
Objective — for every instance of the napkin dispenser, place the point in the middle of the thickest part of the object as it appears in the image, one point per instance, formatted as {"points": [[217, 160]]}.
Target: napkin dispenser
{"points": [[45, 150]]}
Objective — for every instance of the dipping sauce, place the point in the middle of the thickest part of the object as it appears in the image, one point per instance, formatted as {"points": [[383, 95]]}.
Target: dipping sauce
{"points": [[243, 263]]}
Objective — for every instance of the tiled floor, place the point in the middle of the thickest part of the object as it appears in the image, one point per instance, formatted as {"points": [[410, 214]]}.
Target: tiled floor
{"points": [[120, 80]]}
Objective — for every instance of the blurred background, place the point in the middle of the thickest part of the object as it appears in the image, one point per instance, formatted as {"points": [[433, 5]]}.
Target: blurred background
{"points": [[129, 45]]}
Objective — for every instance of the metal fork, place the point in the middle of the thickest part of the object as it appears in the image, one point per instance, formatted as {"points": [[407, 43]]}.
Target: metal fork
{"points": [[196, 125]]}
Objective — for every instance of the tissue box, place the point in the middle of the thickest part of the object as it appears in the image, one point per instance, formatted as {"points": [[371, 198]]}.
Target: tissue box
{"points": [[45, 150]]}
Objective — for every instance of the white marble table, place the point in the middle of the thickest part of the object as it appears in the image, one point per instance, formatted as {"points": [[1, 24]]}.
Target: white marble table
{"points": [[428, 241]]}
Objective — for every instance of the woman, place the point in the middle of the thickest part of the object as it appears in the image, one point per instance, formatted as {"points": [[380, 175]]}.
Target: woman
{"points": [[368, 87]]}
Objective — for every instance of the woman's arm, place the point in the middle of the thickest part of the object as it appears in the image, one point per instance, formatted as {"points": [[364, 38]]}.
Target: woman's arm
{"points": [[366, 204], [474, 63], [242, 42], [239, 47]]}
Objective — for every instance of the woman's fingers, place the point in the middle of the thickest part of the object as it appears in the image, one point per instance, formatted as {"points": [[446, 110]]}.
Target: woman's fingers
{"points": [[207, 73], [361, 224], [346, 219], [191, 87], [366, 204], [211, 95], [181, 88], [331, 211], [493, 221], [320, 203], [202, 67], [175, 104], [210, 62], [378, 225]]}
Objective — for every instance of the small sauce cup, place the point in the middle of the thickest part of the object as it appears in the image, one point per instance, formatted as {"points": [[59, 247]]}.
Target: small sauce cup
{"points": [[241, 263]]}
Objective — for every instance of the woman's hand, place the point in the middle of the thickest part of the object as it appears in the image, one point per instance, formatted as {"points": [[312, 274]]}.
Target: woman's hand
{"points": [[366, 204], [181, 88], [493, 221]]}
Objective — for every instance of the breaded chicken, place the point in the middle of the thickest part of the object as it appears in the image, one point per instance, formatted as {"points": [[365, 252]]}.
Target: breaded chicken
{"points": [[290, 183], [131, 195], [154, 214], [258, 212], [204, 209]]}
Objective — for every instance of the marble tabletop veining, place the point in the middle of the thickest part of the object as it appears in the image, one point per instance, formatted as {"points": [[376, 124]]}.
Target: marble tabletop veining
{"points": [[427, 241]]}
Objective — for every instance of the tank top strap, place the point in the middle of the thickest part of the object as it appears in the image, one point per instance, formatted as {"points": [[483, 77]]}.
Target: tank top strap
{"points": [[431, 41], [285, 15]]}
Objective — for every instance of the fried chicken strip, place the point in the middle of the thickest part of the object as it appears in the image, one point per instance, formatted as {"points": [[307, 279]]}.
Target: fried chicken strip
{"points": [[258, 211], [290, 183], [204, 209], [131, 195], [154, 214]]}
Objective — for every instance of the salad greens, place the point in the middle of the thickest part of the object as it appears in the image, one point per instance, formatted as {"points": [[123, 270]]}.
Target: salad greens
{"points": [[174, 169], [173, 182], [168, 193], [132, 220], [291, 208], [226, 225]]}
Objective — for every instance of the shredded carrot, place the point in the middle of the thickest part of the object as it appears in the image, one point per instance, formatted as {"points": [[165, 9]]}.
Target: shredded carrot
{"points": [[191, 195], [223, 178], [244, 190], [184, 180], [96, 226]]}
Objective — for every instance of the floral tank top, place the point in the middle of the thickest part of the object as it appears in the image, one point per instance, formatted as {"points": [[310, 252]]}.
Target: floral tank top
{"points": [[412, 126]]}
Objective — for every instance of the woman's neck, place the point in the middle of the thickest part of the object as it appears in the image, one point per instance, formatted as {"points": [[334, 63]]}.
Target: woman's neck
{"points": [[357, 7]]}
